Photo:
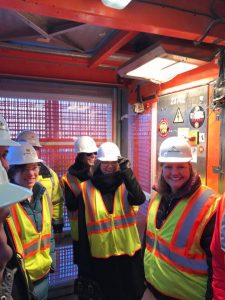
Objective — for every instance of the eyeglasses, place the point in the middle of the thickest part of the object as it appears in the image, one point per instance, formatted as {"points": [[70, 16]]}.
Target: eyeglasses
{"points": [[35, 169], [90, 154], [109, 163]]}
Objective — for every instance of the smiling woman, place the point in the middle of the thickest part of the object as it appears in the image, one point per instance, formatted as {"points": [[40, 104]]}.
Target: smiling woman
{"points": [[10, 194], [180, 223], [29, 215]]}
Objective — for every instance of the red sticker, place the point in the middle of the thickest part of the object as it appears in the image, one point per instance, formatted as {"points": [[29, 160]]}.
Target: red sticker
{"points": [[163, 127]]}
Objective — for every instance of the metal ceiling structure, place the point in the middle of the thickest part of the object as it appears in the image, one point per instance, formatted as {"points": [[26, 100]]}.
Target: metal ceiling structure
{"points": [[85, 41]]}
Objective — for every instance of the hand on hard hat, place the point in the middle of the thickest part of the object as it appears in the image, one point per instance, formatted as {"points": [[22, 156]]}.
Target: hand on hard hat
{"points": [[124, 163], [108, 152]]}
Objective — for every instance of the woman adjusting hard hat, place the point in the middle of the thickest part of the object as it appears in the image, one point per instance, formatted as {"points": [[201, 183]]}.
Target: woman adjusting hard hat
{"points": [[33, 218], [180, 223], [109, 219]]}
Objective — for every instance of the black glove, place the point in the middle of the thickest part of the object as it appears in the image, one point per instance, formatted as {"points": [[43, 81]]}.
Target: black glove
{"points": [[124, 163], [57, 228]]}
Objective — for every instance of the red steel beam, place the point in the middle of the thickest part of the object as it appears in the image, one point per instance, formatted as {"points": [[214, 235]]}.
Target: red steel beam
{"points": [[28, 65], [137, 16], [117, 42], [53, 57]]}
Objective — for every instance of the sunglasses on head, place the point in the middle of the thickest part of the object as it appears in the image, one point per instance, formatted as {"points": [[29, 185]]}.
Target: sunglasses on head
{"points": [[90, 154]]}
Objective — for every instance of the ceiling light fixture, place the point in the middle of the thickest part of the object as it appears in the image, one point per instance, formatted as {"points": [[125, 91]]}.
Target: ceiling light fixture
{"points": [[117, 4], [157, 65]]}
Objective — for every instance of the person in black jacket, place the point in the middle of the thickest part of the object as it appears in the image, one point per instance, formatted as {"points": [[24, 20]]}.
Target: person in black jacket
{"points": [[109, 237], [181, 218], [82, 169]]}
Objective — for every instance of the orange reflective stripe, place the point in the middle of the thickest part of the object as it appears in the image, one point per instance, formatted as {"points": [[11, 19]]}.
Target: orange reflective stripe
{"points": [[73, 183], [89, 191], [193, 210], [188, 264], [13, 234], [15, 218], [32, 247]]}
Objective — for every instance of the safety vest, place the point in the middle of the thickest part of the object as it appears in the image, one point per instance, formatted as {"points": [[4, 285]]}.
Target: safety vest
{"points": [[174, 261], [75, 186], [17, 243], [36, 245], [110, 234], [53, 188]]}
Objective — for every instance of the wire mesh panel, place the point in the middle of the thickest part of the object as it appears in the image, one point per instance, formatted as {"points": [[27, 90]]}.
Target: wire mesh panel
{"points": [[140, 147], [65, 269], [58, 123]]}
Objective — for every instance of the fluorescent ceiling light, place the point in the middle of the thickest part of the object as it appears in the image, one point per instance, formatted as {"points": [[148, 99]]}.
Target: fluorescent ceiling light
{"points": [[156, 65], [117, 4]]}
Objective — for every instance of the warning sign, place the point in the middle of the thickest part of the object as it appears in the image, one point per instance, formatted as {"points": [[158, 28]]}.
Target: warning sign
{"points": [[197, 116], [178, 117], [163, 127]]}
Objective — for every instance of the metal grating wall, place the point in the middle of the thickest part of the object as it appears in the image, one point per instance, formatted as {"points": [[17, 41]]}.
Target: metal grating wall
{"points": [[140, 149], [58, 122], [65, 269]]}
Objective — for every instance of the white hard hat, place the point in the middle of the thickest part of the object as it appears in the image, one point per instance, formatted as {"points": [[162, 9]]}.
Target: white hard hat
{"points": [[25, 154], [108, 152], [175, 149], [5, 139], [30, 137], [85, 144], [11, 193]]}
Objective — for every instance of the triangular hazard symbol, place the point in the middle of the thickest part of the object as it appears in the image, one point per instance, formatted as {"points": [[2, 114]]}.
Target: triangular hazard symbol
{"points": [[178, 117]]}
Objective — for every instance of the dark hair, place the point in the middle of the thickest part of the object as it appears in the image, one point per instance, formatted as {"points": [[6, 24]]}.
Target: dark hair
{"points": [[163, 187], [81, 163], [14, 169]]}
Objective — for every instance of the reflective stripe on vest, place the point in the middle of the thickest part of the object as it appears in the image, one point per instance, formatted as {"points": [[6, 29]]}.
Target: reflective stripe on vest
{"points": [[118, 229], [73, 183], [75, 186], [191, 217], [17, 243], [190, 264], [173, 253], [36, 244], [53, 188]]}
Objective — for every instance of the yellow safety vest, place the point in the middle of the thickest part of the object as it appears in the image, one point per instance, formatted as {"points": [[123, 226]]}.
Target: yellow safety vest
{"points": [[110, 234], [75, 186], [36, 245], [17, 243], [54, 190], [174, 261]]}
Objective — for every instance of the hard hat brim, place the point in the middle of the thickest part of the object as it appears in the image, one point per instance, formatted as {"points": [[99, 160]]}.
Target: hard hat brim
{"points": [[174, 159], [9, 143], [12, 193], [110, 158], [27, 162]]}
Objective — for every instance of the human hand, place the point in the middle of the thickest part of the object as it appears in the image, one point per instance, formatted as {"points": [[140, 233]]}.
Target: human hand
{"points": [[124, 163]]}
